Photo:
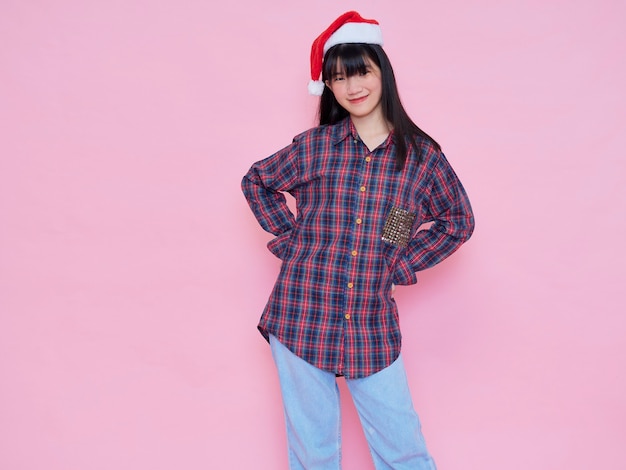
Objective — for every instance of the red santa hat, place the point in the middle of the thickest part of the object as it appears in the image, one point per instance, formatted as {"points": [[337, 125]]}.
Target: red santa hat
{"points": [[348, 28]]}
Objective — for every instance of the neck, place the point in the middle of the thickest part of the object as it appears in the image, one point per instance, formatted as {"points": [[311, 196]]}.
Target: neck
{"points": [[372, 129]]}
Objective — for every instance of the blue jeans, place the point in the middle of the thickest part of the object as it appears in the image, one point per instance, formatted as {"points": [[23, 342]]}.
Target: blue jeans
{"points": [[313, 417]]}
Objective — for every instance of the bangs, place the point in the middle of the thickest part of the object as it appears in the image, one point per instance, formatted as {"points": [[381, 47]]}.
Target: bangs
{"points": [[348, 59]]}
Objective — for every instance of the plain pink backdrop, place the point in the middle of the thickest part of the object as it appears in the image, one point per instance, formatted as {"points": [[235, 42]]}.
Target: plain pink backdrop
{"points": [[132, 273]]}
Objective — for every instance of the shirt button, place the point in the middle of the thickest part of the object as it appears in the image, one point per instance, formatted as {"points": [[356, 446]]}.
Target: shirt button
{"points": [[362, 189], [350, 285], [368, 159], [359, 221], [347, 316], [354, 253]]}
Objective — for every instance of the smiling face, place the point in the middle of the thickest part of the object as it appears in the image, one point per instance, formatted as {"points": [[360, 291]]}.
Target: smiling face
{"points": [[358, 91]]}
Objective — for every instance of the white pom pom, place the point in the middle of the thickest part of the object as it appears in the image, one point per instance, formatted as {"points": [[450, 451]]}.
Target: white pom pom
{"points": [[316, 87]]}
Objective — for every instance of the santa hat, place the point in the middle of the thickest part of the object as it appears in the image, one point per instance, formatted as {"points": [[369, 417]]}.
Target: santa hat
{"points": [[348, 28]]}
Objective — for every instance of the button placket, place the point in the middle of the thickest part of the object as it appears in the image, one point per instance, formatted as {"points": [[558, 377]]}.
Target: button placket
{"points": [[356, 239]]}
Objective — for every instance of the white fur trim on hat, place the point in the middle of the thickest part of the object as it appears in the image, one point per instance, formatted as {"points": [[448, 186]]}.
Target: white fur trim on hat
{"points": [[355, 32]]}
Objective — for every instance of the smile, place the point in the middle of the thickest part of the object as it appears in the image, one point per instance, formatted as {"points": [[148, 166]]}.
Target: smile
{"points": [[358, 100]]}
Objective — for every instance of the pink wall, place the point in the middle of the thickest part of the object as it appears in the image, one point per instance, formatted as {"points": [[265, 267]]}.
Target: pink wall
{"points": [[132, 273]]}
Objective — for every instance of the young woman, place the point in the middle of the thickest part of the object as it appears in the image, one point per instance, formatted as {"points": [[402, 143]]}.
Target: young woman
{"points": [[365, 180]]}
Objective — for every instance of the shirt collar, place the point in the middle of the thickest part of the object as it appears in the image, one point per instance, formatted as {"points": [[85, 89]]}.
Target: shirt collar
{"points": [[345, 128]]}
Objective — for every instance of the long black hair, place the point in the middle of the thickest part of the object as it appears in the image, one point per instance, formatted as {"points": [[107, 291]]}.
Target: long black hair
{"points": [[353, 61]]}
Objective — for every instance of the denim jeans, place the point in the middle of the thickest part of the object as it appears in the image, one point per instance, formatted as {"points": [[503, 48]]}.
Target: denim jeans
{"points": [[313, 417]]}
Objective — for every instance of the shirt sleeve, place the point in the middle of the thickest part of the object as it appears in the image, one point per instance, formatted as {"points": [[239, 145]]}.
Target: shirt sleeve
{"points": [[263, 188], [449, 210]]}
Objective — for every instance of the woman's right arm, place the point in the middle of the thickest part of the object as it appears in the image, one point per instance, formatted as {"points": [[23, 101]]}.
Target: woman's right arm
{"points": [[263, 187]]}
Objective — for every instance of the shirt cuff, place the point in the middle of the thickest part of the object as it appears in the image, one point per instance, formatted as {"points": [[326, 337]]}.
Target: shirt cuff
{"points": [[278, 245], [403, 274]]}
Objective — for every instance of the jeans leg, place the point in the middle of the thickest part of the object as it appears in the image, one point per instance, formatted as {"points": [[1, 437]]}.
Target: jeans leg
{"points": [[312, 413], [390, 423]]}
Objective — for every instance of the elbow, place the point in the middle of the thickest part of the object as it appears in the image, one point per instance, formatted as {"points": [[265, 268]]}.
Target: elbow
{"points": [[469, 227], [245, 182], [463, 228]]}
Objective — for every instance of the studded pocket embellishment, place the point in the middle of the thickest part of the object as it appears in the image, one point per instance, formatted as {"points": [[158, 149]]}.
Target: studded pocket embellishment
{"points": [[397, 229]]}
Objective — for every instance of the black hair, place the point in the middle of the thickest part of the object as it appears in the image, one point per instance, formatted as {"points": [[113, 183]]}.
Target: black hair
{"points": [[353, 61]]}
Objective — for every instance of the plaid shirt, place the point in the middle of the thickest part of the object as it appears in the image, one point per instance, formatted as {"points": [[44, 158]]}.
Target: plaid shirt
{"points": [[356, 233]]}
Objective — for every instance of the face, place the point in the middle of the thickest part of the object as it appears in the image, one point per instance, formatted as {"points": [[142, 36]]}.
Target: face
{"points": [[358, 94]]}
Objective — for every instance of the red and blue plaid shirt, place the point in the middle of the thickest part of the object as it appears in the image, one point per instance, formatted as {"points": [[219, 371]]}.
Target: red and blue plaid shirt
{"points": [[355, 233]]}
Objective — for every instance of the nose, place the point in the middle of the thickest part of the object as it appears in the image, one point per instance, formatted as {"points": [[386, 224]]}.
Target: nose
{"points": [[353, 84]]}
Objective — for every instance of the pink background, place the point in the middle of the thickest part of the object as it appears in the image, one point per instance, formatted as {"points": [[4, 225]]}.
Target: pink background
{"points": [[132, 273]]}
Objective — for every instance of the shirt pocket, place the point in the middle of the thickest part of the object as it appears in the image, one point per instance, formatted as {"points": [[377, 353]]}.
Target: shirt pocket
{"points": [[278, 246], [396, 234], [398, 227]]}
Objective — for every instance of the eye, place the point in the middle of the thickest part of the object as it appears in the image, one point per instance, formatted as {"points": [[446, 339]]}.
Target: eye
{"points": [[338, 78]]}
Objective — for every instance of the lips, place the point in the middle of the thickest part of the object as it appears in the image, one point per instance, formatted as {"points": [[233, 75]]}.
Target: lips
{"points": [[358, 100]]}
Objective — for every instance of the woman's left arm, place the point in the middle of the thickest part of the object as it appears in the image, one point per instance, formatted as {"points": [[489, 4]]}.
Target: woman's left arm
{"points": [[448, 207]]}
